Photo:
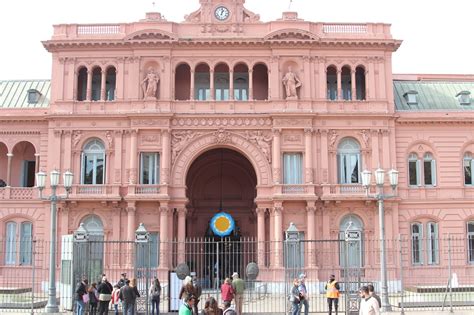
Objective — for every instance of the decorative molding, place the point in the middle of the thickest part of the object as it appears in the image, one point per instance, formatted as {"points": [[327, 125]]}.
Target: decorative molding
{"points": [[76, 138], [222, 136], [179, 140], [150, 139], [150, 122], [293, 122], [292, 138], [365, 134], [332, 138], [110, 139], [205, 121], [263, 140]]}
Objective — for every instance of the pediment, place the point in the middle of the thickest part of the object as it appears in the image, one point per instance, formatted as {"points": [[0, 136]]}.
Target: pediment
{"points": [[291, 34], [151, 34]]}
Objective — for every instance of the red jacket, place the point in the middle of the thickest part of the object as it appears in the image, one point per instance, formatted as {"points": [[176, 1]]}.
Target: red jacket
{"points": [[227, 292]]}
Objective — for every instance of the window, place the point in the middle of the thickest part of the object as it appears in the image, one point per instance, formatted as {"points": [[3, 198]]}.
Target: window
{"points": [[19, 247], [414, 170], [95, 250], [292, 168], [110, 82], [411, 97], [331, 81], [93, 163], [346, 83], [149, 168], [348, 160], [432, 243], [416, 246], [82, 84], [464, 98], [353, 257], [33, 96], [470, 242], [96, 84], [468, 167], [241, 86], [360, 83], [429, 170]]}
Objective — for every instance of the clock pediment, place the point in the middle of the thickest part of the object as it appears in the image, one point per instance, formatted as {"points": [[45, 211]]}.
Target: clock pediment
{"points": [[222, 11]]}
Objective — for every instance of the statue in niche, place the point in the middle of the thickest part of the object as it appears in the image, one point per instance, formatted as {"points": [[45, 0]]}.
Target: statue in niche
{"points": [[291, 83], [150, 83]]}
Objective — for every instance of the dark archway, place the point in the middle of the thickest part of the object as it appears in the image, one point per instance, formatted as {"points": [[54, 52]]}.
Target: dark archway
{"points": [[227, 173]]}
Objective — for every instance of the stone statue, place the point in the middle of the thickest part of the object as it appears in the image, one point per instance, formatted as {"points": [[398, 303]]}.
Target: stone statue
{"points": [[332, 138], [262, 142], [291, 83], [149, 84]]}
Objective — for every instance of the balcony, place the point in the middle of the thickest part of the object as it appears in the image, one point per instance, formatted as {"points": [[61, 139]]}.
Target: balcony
{"points": [[345, 192], [107, 192], [18, 193], [290, 191], [146, 192]]}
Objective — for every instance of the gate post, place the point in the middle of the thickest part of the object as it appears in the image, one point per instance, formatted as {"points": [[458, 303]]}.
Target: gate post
{"points": [[141, 240], [351, 275], [292, 260]]}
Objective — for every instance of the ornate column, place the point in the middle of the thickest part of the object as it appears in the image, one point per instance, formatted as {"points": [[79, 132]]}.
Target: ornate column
{"points": [[324, 156], [37, 162], [353, 85], [9, 169], [67, 150], [277, 213], [231, 84], [276, 156], [164, 255], [386, 148], [375, 150], [213, 92], [181, 234], [118, 157], [308, 149], [250, 84], [131, 222], [89, 85], [103, 96], [311, 230], [260, 236], [339, 85], [323, 85], [166, 145], [133, 157], [370, 77], [191, 91], [307, 87]]}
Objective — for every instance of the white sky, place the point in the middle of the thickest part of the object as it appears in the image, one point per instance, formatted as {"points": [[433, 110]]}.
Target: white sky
{"points": [[438, 35]]}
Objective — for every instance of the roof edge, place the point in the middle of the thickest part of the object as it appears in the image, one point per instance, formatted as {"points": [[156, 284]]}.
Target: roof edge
{"points": [[433, 77]]}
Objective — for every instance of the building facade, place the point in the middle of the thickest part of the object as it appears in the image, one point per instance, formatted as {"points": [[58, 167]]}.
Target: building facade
{"points": [[272, 122]]}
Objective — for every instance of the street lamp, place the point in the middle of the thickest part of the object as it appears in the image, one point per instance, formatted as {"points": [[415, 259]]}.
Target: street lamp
{"points": [[380, 196], [52, 305]]}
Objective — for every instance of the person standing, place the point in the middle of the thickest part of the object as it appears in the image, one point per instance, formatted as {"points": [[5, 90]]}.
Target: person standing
{"points": [[374, 295], [303, 294], [211, 307], [332, 293], [295, 297], [239, 286], [227, 309], [115, 299], [105, 295], [128, 295], [368, 304], [81, 290], [227, 293], [187, 306], [93, 299], [155, 293], [123, 279]]}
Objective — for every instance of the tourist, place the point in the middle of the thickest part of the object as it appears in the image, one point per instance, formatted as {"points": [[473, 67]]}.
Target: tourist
{"points": [[332, 293], [81, 292], [295, 297], [123, 279], [227, 292], [155, 292], [188, 305], [93, 299], [373, 294], [368, 304], [211, 307], [303, 294], [128, 295], [105, 295], [115, 299], [227, 309], [239, 286]]}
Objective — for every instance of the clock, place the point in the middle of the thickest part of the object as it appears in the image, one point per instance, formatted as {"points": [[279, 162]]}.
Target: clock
{"points": [[221, 13]]}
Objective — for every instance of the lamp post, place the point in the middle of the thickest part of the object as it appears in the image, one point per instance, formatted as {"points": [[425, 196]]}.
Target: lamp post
{"points": [[380, 196], [52, 305]]}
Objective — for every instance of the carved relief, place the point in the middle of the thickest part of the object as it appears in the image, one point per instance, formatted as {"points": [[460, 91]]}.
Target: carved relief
{"points": [[150, 139], [149, 122], [179, 139], [293, 122], [333, 138], [110, 139], [263, 141], [222, 136], [76, 138], [150, 83], [365, 137], [292, 138], [291, 83], [189, 122]]}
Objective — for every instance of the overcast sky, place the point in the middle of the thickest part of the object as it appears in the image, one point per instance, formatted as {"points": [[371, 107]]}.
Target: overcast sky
{"points": [[438, 36]]}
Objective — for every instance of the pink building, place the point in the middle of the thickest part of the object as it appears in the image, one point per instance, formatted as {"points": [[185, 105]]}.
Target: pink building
{"points": [[164, 123]]}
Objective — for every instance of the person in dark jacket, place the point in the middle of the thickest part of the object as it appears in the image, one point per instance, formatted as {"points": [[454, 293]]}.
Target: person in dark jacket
{"points": [[123, 279], [155, 292], [105, 295], [129, 294], [81, 290]]}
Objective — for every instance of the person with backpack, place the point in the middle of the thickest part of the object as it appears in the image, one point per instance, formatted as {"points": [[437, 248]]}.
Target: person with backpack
{"points": [[155, 292]]}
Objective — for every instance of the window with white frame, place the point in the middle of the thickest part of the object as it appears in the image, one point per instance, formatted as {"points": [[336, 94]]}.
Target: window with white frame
{"points": [[18, 247], [348, 161], [93, 163], [416, 243], [292, 168], [149, 168], [429, 170], [470, 242], [414, 170], [432, 243], [468, 165]]}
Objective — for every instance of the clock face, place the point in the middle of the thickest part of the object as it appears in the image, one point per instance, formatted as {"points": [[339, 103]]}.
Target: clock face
{"points": [[221, 13]]}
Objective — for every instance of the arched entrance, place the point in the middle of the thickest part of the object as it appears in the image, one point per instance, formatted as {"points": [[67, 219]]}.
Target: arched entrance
{"points": [[221, 179]]}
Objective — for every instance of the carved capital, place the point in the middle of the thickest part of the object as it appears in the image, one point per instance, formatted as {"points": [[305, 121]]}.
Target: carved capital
{"points": [[131, 210], [260, 211], [308, 131], [277, 209], [165, 210], [311, 209], [182, 211]]}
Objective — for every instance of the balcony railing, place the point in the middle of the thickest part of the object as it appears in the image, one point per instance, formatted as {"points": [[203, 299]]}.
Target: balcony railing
{"points": [[301, 189], [17, 193], [147, 189]]}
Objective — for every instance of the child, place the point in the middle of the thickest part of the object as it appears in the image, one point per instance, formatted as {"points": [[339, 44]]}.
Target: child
{"points": [[115, 298], [93, 299]]}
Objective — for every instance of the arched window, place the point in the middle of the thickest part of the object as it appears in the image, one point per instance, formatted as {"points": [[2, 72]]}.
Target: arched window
{"points": [[353, 257], [82, 84], [360, 83], [331, 77], [416, 243], [18, 243], [429, 170], [470, 242], [432, 243], [95, 252], [348, 161], [346, 83], [414, 173], [93, 225], [241, 82], [110, 82], [202, 83], [260, 82], [96, 83], [93, 163], [468, 164], [182, 82], [221, 82]]}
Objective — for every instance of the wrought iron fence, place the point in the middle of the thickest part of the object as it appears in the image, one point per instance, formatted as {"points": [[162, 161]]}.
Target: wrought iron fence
{"points": [[422, 274]]}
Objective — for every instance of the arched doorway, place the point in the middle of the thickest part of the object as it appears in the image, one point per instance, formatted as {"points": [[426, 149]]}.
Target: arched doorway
{"points": [[221, 179]]}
